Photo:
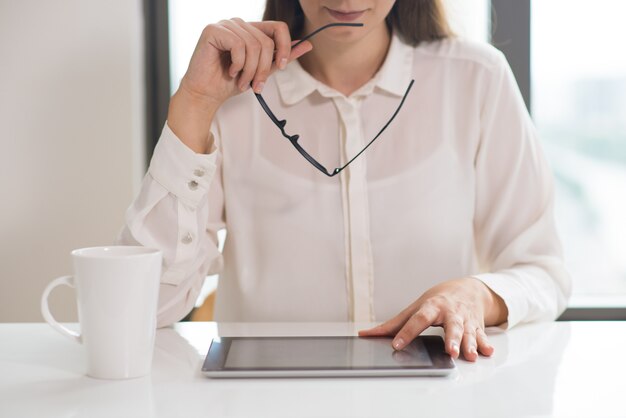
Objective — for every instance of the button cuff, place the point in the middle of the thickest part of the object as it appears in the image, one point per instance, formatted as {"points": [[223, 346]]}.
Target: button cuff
{"points": [[170, 167]]}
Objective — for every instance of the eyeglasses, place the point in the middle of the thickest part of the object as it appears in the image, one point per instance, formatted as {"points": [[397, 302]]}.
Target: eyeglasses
{"points": [[294, 138]]}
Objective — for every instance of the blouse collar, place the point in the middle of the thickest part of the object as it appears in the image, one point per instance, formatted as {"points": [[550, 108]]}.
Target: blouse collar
{"points": [[294, 83]]}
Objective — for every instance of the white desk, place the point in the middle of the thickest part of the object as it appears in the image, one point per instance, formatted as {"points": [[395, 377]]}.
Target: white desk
{"points": [[537, 370]]}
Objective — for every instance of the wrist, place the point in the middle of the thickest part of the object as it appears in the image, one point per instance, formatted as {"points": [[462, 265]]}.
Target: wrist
{"points": [[193, 98], [190, 117], [495, 309]]}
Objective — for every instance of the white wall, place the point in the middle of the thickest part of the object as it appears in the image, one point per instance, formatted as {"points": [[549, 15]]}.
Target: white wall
{"points": [[71, 134]]}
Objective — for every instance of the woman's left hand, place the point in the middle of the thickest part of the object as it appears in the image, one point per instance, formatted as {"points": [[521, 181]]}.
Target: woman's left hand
{"points": [[463, 307]]}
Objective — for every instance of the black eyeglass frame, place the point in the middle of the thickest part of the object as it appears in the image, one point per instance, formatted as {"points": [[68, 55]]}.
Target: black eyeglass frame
{"points": [[294, 138]]}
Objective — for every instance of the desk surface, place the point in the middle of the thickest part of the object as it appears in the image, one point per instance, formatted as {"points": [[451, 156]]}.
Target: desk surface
{"points": [[537, 370]]}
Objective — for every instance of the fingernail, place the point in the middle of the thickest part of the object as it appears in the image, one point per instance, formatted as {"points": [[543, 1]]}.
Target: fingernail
{"points": [[259, 87], [282, 64], [455, 348], [397, 343], [473, 350]]}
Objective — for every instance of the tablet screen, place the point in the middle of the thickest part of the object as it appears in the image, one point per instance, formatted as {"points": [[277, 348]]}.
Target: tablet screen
{"points": [[320, 352], [325, 357]]}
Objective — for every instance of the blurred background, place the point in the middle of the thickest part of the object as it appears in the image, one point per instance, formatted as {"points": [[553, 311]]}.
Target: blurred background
{"points": [[84, 89]]}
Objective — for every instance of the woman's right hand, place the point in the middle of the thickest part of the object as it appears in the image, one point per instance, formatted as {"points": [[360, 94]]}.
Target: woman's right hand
{"points": [[229, 56], [232, 53]]}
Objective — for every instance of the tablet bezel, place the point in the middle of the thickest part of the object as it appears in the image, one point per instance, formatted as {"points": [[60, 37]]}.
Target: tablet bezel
{"points": [[442, 363]]}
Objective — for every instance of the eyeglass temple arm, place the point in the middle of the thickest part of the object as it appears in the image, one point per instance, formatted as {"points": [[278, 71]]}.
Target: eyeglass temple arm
{"points": [[308, 157], [292, 138], [281, 123], [294, 141], [268, 111], [330, 25], [406, 93], [318, 30]]}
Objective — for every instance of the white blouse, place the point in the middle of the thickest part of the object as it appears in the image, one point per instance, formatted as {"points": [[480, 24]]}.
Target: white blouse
{"points": [[456, 186]]}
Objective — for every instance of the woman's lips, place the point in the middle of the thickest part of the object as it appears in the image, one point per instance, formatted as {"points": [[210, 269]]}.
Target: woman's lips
{"points": [[345, 16]]}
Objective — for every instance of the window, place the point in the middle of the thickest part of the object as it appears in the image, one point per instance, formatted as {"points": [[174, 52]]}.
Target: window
{"points": [[469, 18], [578, 90]]}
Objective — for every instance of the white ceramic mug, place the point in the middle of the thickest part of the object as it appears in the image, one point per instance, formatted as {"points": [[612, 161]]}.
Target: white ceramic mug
{"points": [[117, 292]]}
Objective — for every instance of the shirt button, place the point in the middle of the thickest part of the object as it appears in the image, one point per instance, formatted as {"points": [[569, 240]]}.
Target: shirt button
{"points": [[187, 239], [193, 185], [199, 172]]}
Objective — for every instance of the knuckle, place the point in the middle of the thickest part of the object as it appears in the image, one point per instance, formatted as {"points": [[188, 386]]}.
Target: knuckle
{"points": [[438, 300], [267, 43], [422, 315], [248, 72], [406, 333], [456, 321], [282, 30], [429, 304], [255, 47], [468, 332], [260, 78], [433, 309], [239, 43], [208, 29]]}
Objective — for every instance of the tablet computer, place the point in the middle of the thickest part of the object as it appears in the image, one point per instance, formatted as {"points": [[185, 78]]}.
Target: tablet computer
{"points": [[325, 357]]}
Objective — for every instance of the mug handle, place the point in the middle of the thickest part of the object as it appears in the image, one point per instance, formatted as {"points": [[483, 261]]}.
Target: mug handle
{"points": [[45, 310]]}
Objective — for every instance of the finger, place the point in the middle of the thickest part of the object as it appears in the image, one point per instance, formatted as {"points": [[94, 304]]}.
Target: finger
{"points": [[416, 324], [279, 32], [265, 57], [390, 327], [376, 331], [253, 51], [300, 50], [453, 329], [484, 347], [468, 345], [228, 41]]}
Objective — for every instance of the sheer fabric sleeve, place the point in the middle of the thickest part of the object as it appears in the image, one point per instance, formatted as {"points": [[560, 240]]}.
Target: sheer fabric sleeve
{"points": [[179, 210], [516, 240]]}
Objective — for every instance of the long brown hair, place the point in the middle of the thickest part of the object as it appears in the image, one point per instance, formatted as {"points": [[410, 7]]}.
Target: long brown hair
{"points": [[414, 20]]}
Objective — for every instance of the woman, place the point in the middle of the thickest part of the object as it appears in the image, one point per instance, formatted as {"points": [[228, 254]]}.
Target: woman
{"points": [[447, 215]]}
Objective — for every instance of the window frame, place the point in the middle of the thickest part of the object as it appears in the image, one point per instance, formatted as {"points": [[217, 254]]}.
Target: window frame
{"points": [[510, 32], [157, 70]]}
